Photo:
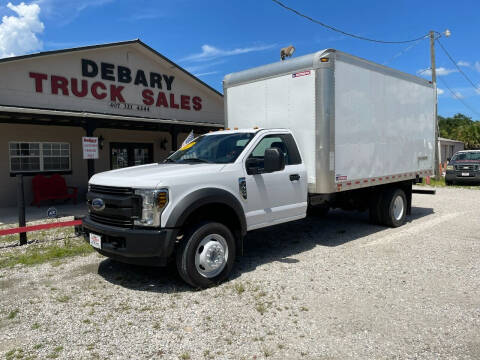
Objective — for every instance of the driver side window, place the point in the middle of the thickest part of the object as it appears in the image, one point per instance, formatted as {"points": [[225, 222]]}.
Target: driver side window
{"points": [[283, 142]]}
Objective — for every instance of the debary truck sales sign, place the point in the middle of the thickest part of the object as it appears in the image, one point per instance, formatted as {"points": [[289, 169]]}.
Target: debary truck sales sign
{"points": [[120, 80]]}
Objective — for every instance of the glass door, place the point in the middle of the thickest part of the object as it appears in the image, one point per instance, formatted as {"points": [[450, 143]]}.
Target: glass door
{"points": [[130, 154]]}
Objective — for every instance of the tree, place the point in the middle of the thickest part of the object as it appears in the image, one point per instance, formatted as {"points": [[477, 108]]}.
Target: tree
{"points": [[462, 128]]}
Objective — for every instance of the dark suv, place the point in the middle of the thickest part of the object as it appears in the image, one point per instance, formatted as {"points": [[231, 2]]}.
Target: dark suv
{"points": [[463, 167]]}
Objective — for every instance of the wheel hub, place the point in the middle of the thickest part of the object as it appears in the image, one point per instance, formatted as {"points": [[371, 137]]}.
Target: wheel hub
{"points": [[398, 208], [211, 255]]}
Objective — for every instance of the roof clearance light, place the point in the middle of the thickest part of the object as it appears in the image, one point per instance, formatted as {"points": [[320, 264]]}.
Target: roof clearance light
{"points": [[324, 60], [255, 127], [227, 129], [235, 128]]}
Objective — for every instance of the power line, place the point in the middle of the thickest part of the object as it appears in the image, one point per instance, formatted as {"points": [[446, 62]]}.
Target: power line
{"points": [[409, 47], [455, 95], [458, 67], [344, 32]]}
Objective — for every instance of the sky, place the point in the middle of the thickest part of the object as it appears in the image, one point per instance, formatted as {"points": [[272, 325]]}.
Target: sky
{"points": [[212, 38]]}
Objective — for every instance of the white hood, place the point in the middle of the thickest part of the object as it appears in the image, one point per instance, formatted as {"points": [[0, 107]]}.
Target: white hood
{"points": [[152, 175]]}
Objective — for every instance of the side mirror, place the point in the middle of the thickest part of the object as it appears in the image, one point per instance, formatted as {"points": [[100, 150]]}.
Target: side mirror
{"points": [[274, 160], [448, 159], [252, 166]]}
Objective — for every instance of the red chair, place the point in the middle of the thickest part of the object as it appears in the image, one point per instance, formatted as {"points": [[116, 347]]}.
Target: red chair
{"points": [[52, 188]]}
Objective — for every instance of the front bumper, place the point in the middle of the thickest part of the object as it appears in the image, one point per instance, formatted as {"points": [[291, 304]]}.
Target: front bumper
{"points": [[151, 247], [455, 176]]}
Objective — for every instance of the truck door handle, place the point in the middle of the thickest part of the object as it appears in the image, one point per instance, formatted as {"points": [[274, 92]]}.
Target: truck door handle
{"points": [[294, 177]]}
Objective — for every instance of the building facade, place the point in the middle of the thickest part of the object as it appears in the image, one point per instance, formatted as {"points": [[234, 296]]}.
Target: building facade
{"points": [[448, 148], [136, 102]]}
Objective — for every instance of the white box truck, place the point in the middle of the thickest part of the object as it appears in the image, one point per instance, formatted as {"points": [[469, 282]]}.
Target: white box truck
{"points": [[326, 130]]}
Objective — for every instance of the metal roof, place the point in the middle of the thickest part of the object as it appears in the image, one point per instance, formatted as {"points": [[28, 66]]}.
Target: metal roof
{"points": [[99, 46], [451, 140]]}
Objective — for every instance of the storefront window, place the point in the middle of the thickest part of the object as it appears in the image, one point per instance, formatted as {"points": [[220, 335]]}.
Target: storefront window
{"points": [[39, 156]]}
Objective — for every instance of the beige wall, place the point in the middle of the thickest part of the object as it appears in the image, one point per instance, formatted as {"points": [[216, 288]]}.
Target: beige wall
{"points": [[72, 135], [132, 136], [14, 132]]}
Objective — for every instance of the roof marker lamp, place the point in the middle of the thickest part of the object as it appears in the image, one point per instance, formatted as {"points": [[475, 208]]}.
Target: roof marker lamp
{"points": [[153, 204]]}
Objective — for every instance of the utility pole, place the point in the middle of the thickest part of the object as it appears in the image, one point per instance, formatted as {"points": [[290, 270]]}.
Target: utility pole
{"points": [[435, 111]]}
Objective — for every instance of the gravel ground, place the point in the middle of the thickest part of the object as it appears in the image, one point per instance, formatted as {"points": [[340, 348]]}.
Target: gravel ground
{"points": [[332, 288]]}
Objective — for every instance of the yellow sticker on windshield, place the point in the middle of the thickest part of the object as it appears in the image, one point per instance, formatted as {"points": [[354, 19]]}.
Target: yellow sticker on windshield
{"points": [[188, 146]]}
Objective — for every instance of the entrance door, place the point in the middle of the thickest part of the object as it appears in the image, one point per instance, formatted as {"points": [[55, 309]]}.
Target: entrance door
{"points": [[130, 154]]}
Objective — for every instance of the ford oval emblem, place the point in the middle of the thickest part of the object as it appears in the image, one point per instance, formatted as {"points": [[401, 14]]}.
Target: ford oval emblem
{"points": [[98, 204]]}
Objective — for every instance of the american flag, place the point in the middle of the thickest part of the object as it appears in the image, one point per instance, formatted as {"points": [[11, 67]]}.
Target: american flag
{"points": [[189, 139]]}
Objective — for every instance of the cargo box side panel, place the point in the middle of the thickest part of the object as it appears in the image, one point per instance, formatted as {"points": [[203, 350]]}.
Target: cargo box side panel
{"points": [[286, 101], [383, 123]]}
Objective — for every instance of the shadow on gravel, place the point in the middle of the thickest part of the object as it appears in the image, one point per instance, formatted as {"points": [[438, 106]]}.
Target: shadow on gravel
{"points": [[142, 278], [277, 243]]}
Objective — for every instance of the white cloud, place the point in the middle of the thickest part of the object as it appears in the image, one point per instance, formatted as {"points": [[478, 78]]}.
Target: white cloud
{"points": [[477, 66], [464, 63], [64, 12], [202, 67], [440, 91], [458, 94], [18, 33], [441, 71], [206, 73], [210, 52]]}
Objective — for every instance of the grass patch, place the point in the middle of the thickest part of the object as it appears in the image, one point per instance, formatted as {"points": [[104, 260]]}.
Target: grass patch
{"points": [[239, 288], [55, 353], [441, 183], [14, 354], [434, 182], [40, 254], [63, 298], [13, 314], [261, 308]]}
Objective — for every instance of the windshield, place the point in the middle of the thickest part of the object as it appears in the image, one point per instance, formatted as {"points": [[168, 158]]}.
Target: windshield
{"points": [[218, 149], [466, 156]]}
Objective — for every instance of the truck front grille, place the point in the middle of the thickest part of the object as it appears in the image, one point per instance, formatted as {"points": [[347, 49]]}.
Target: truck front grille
{"points": [[107, 220], [465, 167], [122, 206], [111, 190]]}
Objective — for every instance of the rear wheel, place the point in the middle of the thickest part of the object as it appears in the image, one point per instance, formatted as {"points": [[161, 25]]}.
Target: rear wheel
{"points": [[375, 211], [206, 255], [394, 206], [448, 182]]}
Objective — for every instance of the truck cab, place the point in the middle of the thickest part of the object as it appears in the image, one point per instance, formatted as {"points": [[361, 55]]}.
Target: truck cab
{"points": [[463, 167], [197, 205]]}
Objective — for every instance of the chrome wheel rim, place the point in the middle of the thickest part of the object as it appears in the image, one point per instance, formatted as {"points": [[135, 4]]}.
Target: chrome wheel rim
{"points": [[211, 255], [398, 208]]}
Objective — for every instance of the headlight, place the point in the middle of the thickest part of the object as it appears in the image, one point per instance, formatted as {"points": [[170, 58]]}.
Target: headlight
{"points": [[153, 203], [450, 167]]}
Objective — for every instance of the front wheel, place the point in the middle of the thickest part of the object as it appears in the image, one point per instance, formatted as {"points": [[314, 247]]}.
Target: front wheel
{"points": [[206, 255]]}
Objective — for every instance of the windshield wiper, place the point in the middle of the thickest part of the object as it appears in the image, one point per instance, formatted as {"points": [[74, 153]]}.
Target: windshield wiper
{"points": [[197, 160], [168, 160]]}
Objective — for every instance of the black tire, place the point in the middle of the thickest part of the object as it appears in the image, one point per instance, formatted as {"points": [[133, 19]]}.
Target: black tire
{"points": [[388, 205], [448, 182], [375, 210], [186, 252]]}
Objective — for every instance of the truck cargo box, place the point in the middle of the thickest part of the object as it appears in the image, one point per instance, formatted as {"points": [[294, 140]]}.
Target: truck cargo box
{"points": [[357, 123]]}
